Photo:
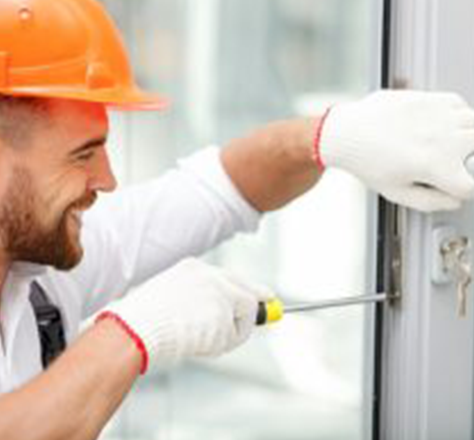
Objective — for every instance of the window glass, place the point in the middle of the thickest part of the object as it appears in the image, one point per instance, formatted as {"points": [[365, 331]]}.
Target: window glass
{"points": [[229, 66]]}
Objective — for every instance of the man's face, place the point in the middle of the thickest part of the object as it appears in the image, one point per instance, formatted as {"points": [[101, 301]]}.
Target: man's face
{"points": [[51, 181]]}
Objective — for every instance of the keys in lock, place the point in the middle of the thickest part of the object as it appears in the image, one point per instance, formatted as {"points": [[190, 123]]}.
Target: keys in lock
{"points": [[456, 256]]}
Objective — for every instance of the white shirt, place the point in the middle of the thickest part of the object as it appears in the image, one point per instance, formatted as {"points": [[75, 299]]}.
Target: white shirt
{"points": [[128, 237]]}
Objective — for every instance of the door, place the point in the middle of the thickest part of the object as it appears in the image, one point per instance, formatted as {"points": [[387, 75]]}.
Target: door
{"points": [[427, 348]]}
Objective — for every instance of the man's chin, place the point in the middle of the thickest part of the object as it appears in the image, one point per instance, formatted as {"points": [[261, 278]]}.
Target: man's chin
{"points": [[66, 265], [69, 260], [67, 253], [57, 262], [71, 252]]}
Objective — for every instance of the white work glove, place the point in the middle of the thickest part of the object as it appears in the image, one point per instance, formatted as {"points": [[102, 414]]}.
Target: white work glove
{"points": [[409, 146], [194, 310]]}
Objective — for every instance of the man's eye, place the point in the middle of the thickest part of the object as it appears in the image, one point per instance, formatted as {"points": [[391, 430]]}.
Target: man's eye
{"points": [[84, 157]]}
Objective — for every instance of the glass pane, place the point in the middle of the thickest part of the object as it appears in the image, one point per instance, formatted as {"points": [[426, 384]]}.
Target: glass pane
{"points": [[229, 66]]}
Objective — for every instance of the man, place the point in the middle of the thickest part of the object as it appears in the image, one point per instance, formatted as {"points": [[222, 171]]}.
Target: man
{"points": [[61, 66]]}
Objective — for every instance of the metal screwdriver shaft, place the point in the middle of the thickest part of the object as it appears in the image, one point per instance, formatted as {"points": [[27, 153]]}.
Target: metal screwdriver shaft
{"points": [[274, 310], [340, 302]]}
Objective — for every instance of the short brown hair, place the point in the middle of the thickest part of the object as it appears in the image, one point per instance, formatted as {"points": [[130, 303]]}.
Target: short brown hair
{"points": [[19, 116]]}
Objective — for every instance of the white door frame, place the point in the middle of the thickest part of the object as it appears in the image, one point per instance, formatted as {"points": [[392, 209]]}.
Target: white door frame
{"points": [[427, 373]]}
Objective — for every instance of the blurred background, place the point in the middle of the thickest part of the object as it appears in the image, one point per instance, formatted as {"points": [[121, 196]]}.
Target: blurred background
{"points": [[229, 66]]}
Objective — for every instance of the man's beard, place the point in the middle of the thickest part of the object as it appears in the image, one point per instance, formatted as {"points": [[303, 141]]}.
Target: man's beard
{"points": [[25, 238]]}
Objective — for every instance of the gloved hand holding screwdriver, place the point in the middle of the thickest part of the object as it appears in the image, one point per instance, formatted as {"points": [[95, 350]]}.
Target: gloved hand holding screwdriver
{"points": [[386, 140], [195, 310]]}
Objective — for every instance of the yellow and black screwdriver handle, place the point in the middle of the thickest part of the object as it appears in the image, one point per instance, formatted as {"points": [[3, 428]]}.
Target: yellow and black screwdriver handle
{"points": [[271, 311]]}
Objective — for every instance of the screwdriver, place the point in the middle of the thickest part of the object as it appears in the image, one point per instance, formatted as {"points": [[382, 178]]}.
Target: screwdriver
{"points": [[274, 310]]}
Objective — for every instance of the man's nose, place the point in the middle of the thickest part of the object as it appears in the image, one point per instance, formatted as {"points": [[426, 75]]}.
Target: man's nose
{"points": [[102, 177]]}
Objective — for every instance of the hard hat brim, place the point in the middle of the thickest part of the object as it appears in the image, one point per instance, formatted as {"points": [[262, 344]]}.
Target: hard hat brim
{"points": [[138, 100], [133, 99]]}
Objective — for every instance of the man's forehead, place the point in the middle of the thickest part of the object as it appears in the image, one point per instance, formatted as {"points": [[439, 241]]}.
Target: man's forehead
{"points": [[85, 111], [78, 118]]}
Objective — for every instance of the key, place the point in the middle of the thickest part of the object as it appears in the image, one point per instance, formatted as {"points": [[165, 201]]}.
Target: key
{"points": [[456, 259], [463, 280]]}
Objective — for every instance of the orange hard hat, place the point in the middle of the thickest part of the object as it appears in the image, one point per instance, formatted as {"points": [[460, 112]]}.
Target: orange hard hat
{"points": [[67, 49]]}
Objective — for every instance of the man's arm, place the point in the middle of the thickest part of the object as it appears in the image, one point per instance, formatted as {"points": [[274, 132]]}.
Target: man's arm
{"points": [[193, 310], [274, 164], [409, 146], [78, 394]]}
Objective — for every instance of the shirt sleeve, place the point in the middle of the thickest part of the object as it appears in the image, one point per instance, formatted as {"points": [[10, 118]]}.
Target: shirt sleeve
{"points": [[134, 234]]}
